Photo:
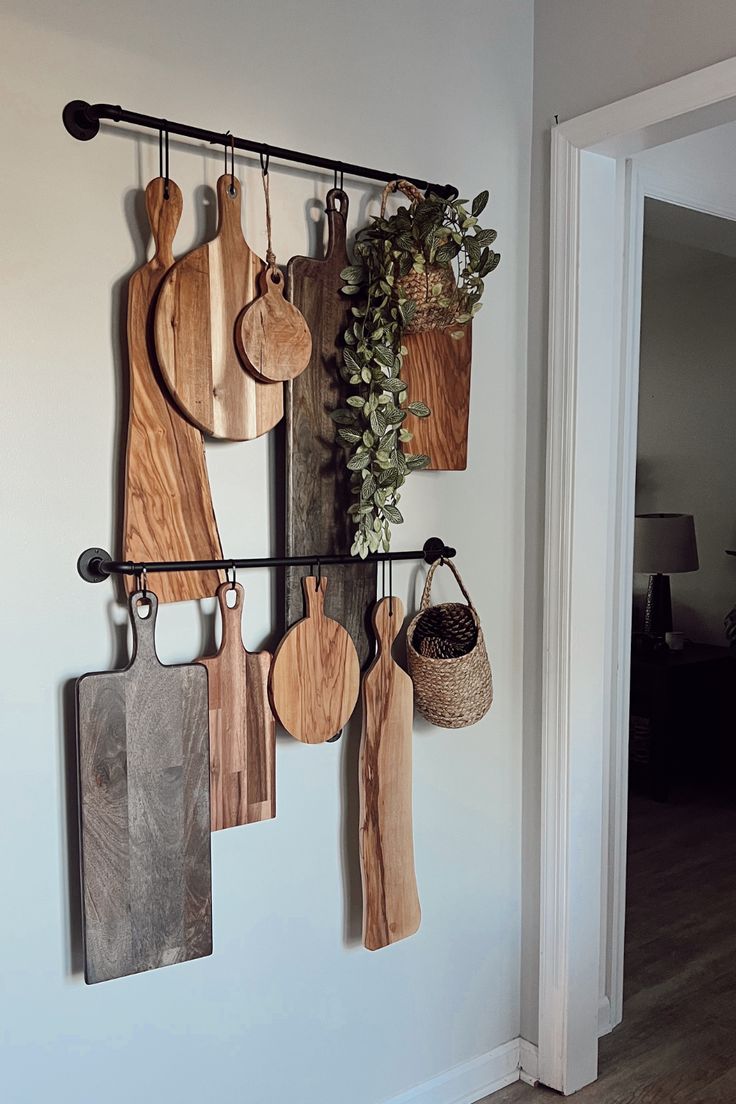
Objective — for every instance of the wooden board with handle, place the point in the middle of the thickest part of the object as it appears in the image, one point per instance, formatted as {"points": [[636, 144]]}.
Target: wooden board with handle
{"points": [[167, 511], [242, 726], [272, 334], [436, 370], [390, 900], [317, 483], [198, 307], [315, 675], [145, 814]]}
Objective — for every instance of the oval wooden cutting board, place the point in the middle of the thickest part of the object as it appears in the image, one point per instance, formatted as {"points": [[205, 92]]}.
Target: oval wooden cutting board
{"points": [[242, 726], [391, 908], [198, 307], [167, 511], [143, 753], [315, 676]]}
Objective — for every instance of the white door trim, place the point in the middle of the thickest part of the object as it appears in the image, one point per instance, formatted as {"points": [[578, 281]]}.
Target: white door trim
{"points": [[587, 569]]}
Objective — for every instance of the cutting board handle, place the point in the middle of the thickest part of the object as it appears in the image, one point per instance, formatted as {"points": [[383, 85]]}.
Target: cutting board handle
{"points": [[163, 215], [144, 625], [229, 195], [231, 616], [336, 206], [314, 595], [388, 617]]}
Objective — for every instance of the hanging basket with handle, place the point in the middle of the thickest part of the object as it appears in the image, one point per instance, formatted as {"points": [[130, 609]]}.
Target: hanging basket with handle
{"points": [[447, 658], [429, 315]]}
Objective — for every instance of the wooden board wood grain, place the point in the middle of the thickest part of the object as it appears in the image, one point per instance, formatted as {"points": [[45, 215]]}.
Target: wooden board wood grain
{"points": [[198, 306], [273, 337], [317, 483], [242, 725], [391, 908], [437, 371], [167, 507], [315, 675], [145, 813]]}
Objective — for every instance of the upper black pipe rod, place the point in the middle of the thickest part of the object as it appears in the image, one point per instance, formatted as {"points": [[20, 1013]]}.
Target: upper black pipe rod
{"points": [[82, 120]]}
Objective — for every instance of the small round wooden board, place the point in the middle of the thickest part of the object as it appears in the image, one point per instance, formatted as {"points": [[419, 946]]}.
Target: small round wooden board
{"points": [[315, 675], [273, 336]]}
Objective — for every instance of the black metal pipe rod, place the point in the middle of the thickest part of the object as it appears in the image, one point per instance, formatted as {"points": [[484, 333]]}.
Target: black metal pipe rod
{"points": [[82, 120], [95, 564]]}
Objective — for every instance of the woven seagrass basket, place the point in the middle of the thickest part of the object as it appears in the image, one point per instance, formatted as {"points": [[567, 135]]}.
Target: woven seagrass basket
{"points": [[429, 315], [447, 659]]}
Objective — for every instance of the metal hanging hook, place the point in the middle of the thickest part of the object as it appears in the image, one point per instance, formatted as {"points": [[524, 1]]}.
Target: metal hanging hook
{"points": [[142, 581], [265, 157], [233, 581], [319, 575], [228, 134], [342, 177], [163, 156]]}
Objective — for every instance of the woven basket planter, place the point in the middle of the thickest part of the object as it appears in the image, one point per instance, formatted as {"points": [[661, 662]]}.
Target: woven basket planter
{"points": [[447, 659], [429, 315]]}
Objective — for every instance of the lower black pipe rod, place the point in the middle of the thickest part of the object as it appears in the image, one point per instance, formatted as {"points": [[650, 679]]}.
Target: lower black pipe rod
{"points": [[95, 564]]}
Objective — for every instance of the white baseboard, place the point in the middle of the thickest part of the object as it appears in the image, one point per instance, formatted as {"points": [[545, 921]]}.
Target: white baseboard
{"points": [[471, 1081]]}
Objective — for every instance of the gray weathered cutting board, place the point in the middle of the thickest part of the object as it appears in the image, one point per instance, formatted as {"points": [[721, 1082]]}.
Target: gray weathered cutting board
{"points": [[317, 483], [145, 810]]}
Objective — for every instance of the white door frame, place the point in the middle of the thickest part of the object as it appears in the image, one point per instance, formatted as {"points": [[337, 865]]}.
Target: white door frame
{"points": [[595, 266]]}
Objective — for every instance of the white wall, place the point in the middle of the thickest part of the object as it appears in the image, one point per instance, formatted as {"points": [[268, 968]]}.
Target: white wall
{"points": [[687, 413], [587, 53], [289, 1007]]}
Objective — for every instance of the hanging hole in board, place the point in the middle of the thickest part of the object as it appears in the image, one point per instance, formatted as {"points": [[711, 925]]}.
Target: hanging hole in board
{"points": [[232, 190], [231, 597], [143, 608], [163, 155], [276, 277], [319, 575]]}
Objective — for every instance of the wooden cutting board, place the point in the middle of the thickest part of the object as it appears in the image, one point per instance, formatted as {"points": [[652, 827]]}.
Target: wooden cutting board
{"points": [[317, 483], [315, 676], [167, 511], [242, 726], [390, 901], [198, 307], [145, 812], [437, 371]]}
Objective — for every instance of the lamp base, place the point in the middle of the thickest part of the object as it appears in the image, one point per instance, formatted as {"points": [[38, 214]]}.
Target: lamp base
{"points": [[658, 610]]}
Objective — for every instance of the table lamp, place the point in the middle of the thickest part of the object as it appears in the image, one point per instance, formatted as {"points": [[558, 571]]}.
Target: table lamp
{"points": [[664, 544]]}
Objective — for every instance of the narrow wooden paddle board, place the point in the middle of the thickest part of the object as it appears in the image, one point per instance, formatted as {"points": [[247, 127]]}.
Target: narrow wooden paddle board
{"points": [[167, 512], [242, 726], [390, 901], [197, 310], [436, 370], [315, 676], [145, 811], [317, 483]]}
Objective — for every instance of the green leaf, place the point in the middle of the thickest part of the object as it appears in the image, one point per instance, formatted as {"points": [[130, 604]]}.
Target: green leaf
{"points": [[447, 253], [343, 417], [485, 237], [420, 409], [348, 436], [378, 423], [351, 289], [365, 375], [359, 461], [387, 478], [368, 487], [393, 514], [350, 359], [395, 386], [354, 400], [479, 203], [415, 463], [353, 274]]}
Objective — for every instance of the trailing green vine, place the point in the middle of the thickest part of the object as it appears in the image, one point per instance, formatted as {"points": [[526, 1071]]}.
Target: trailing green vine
{"points": [[404, 265]]}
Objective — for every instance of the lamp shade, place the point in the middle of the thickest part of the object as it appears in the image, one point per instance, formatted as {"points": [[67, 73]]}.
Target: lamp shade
{"points": [[664, 544]]}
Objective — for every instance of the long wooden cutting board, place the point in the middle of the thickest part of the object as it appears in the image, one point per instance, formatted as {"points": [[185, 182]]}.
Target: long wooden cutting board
{"points": [[436, 369], [242, 726], [390, 901], [167, 511], [315, 675], [145, 812], [317, 484], [199, 304]]}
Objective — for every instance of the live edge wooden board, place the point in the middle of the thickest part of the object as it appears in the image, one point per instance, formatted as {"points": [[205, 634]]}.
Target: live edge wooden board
{"points": [[242, 726], [315, 676], [390, 901], [145, 810], [198, 307], [317, 484], [436, 370], [167, 512]]}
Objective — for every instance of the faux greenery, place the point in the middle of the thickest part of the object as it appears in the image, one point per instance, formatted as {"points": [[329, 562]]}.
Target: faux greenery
{"points": [[432, 234]]}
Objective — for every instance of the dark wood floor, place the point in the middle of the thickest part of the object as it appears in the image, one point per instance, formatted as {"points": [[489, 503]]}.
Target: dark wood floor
{"points": [[677, 1042]]}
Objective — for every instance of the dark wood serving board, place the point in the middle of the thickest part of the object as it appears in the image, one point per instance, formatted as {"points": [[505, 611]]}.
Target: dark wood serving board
{"points": [[145, 810], [317, 483]]}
